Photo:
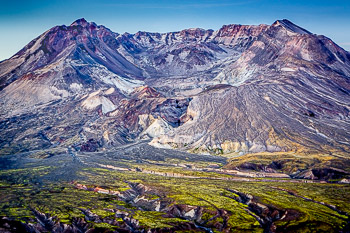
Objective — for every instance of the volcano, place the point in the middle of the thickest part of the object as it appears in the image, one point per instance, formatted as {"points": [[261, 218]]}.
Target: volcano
{"points": [[237, 90]]}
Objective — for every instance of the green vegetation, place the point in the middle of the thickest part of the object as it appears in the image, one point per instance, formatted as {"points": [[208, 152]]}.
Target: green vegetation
{"points": [[22, 190], [292, 161], [153, 219]]}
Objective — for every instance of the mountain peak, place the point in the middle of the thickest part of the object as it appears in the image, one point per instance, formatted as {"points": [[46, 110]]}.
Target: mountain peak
{"points": [[81, 22], [85, 68], [288, 25]]}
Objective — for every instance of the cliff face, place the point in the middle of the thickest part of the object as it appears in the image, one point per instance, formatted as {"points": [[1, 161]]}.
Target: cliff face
{"points": [[238, 89]]}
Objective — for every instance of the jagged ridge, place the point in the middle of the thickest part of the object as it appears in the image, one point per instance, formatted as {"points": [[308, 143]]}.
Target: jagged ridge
{"points": [[238, 89]]}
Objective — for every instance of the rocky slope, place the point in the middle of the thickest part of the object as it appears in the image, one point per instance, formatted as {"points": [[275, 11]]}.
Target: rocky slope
{"points": [[240, 89]]}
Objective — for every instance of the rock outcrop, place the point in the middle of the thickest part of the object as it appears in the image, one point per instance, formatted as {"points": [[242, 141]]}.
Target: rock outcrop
{"points": [[240, 89]]}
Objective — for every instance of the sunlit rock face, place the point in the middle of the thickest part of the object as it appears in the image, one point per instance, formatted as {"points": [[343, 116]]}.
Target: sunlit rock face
{"points": [[239, 89]]}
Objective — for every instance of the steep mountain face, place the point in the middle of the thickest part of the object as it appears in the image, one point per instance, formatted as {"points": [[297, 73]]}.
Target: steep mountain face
{"points": [[240, 89]]}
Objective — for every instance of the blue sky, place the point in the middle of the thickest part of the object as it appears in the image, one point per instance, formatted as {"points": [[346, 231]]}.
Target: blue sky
{"points": [[21, 21]]}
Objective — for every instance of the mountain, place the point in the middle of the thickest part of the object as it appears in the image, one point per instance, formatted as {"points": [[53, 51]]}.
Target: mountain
{"points": [[240, 89]]}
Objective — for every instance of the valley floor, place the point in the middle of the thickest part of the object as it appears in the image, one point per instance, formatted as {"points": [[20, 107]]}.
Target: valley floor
{"points": [[137, 188]]}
